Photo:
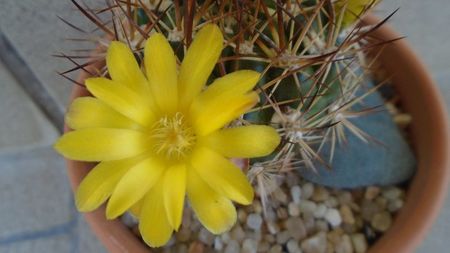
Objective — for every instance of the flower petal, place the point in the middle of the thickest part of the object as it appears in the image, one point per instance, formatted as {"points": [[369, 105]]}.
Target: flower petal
{"points": [[133, 186], [101, 144], [214, 211], [222, 175], [199, 62], [123, 67], [98, 185], [161, 66], [231, 85], [135, 209], [122, 99], [210, 114], [243, 142], [88, 112], [174, 193], [154, 225]]}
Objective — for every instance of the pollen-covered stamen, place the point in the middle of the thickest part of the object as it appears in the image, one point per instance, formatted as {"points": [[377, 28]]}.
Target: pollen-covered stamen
{"points": [[173, 137]]}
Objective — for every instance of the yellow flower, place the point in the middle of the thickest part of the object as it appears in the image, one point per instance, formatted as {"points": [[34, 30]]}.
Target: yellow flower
{"points": [[160, 137], [353, 9]]}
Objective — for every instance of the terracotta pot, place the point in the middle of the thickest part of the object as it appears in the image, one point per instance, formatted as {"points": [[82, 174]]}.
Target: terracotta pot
{"points": [[430, 134]]}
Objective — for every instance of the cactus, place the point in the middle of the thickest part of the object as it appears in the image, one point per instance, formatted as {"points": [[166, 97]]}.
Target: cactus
{"points": [[311, 55]]}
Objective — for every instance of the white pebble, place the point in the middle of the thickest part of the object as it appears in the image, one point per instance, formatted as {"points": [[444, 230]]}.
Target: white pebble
{"points": [[392, 193], [237, 233], [322, 225], [296, 193], [395, 205], [333, 217], [296, 228], [320, 211], [315, 244], [206, 237], [307, 190], [218, 244], [283, 237], [254, 221], [359, 243], [344, 245], [307, 207], [331, 202], [381, 221], [347, 215], [272, 227], [292, 246], [249, 246], [225, 237], [276, 249], [371, 192], [232, 247], [293, 209]]}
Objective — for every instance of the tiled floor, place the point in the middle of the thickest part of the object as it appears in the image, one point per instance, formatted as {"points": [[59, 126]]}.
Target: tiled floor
{"points": [[37, 214]]}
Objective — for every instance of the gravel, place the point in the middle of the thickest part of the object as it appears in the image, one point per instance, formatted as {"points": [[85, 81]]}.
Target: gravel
{"points": [[301, 218]]}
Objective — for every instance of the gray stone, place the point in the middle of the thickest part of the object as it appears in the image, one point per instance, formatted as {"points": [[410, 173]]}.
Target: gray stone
{"points": [[218, 244], [254, 221], [237, 233], [296, 193], [249, 246], [283, 237], [292, 246], [344, 245], [23, 125], [357, 163], [315, 244], [381, 221], [333, 217], [296, 228], [206, 237], [359, 243], [232, 247]]}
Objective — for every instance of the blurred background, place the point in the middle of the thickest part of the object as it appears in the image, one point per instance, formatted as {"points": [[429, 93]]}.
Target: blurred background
{"points": [[36, 210]]}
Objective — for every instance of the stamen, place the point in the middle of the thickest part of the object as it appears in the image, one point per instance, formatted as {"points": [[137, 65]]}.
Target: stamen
{"points": [[173, 138]]}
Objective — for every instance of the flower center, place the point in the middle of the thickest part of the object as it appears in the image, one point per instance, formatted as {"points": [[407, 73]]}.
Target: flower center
{"points": [[173, 137]]}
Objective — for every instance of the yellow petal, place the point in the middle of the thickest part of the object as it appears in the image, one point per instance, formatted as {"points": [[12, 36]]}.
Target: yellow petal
{"points": [[98, 185], [122, 99], [133, 186], [101, 144], [154, 225], [214, 211], [353, 9], [231, 85], [209, 114], [123, 67], [161, 66], [243, 142], [199, 62], [174, 193], [135, 210], [222, 175], [88, 112]]}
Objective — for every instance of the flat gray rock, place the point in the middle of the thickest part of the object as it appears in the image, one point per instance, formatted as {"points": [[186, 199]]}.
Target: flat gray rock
{"points": [[358, 164]]}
